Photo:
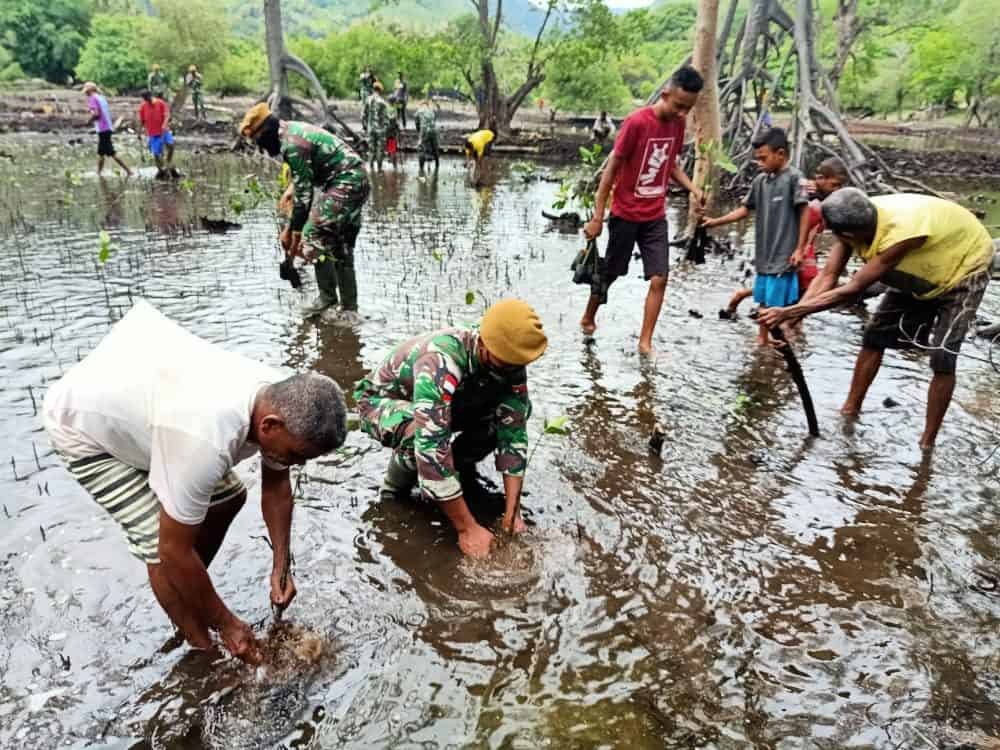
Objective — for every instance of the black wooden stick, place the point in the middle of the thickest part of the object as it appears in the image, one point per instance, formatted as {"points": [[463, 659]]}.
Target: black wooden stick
{"points": [[795, 370]]}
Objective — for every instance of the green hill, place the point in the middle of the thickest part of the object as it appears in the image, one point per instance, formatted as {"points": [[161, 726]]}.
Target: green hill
{"points": [[317, 18]]}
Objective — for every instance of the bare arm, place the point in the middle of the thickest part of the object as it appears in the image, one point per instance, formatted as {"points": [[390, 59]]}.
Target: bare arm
{"points": [[186, 572], [512, 495], [681, 178], [735, 215], [867, 275], [832, 271], [276, 505], [592, 228], [800, 248]]}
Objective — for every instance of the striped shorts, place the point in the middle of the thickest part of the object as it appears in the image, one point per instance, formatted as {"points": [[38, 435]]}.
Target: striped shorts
{"points": [[124, 492]]}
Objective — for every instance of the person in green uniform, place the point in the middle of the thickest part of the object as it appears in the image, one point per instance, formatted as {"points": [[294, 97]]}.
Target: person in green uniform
{"points": [[366, 84], [444, 400], [156, 82], [324, 229], [426, 122], [376, 122], [193, 81]]}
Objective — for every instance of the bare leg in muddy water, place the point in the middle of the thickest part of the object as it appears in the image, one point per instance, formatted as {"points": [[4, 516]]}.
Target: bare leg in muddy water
{"points": [[651, 313], [589, 322], [865, 369], [938, 400]]}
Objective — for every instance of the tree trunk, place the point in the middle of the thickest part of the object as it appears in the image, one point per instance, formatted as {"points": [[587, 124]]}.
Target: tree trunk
{"points": [[707, 131], [848, 30], [495, 109], [274, 36]]}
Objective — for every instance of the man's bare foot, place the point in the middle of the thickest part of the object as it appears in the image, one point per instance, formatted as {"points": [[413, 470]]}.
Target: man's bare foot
{"points": [[849, 410], [646, 349], [588, 326]]}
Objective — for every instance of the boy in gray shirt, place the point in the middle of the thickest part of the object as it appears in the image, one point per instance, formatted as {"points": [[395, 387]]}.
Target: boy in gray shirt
{"points": [[778, 197]]}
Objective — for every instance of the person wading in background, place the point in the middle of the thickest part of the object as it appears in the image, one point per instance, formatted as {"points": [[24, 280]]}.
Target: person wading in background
{"points": [[100, 115]]}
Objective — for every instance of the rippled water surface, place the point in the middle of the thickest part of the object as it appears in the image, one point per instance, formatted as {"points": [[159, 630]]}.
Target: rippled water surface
{"points": [[748, 587]]}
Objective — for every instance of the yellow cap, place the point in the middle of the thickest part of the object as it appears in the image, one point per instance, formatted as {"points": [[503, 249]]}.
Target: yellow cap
{"points": [[253, 119], [155, 66], [88, 87], [512, 331], [192, 68]]}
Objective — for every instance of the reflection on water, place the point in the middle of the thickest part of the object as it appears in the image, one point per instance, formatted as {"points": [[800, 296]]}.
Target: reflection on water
{"points": [[746, 587]]}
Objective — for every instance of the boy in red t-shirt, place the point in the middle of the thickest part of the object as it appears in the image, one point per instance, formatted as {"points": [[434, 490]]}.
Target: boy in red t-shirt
{"points": [[831, 175], [154, 114], [639, 169]]}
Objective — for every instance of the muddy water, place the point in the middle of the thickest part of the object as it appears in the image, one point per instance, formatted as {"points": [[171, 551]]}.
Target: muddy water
{"points": [[749, 587]]}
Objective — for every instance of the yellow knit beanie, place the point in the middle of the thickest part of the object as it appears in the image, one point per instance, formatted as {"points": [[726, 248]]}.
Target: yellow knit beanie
{"points": [[512, 332], [253, 119]]}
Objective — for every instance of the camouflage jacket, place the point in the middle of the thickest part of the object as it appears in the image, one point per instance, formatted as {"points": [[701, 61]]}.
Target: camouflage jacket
{"points": [[426, 122], [441, 375], [316, 158], [376, 115], [157, 84]]}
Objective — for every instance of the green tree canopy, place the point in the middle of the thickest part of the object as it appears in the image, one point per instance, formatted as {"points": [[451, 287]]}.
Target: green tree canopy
{"points": [[45, 38], [113, 56]]}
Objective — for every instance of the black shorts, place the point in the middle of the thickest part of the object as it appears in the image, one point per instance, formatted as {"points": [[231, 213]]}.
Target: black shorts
{"points": [[904, 322], [104, 145], [653, 242]]}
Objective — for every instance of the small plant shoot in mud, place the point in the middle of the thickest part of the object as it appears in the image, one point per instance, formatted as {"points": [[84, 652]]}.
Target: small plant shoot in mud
{"points": [[555, 426], [104, 247]]}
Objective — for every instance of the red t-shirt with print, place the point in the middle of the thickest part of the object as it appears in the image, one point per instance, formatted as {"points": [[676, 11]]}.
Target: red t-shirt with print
{"points": [[648, 148]]}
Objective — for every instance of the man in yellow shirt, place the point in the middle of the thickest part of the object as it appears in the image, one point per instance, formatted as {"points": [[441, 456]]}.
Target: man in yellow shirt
{"points": [[935, 256], [478, 145]]}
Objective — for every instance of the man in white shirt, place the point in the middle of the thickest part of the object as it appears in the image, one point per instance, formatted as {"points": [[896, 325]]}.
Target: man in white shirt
{"points": [[152, 422]]}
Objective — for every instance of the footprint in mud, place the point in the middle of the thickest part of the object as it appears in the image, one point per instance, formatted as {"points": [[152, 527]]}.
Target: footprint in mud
{"points": [[267, 702]]}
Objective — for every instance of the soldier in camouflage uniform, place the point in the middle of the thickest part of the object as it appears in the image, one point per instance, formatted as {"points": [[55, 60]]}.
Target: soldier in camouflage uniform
{"points": [[376, 122], [321, 229], [156, 82], [466, 381], [367, 82], [193, 81], [426, 122]]}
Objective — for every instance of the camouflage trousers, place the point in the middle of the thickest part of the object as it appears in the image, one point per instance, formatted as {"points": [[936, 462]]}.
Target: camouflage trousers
{"points": [[429, 147], [376, 145], [390, 421], [329, 237]]}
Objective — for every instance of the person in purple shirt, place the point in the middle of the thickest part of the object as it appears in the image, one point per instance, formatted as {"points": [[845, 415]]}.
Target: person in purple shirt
{"points": [[100, 115]]}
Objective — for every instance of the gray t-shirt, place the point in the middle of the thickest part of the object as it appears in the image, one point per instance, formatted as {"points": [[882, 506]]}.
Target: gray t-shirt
{"points": [[775, 199]]}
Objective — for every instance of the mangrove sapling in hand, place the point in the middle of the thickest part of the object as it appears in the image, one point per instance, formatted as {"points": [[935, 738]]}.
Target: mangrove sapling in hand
{"points": [[555, 426]]}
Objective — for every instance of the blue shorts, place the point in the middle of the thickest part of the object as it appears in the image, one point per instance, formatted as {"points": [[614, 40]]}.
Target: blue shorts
{"points": [[157, 142], [776, 290]]}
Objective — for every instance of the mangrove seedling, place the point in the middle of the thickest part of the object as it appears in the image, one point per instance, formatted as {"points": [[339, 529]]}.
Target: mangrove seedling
{"points": [[555, 426], [104, 247]]}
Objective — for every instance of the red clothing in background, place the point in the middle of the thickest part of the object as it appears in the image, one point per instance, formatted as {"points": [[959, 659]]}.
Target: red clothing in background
{"points": [[152, 115], [648, 148]]}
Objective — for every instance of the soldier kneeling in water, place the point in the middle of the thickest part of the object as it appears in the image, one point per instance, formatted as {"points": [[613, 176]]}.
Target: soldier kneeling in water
{"points": [[466, 381]]}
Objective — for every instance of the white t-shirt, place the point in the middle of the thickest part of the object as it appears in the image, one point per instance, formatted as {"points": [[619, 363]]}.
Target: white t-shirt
{"points": [[160, 399]]}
